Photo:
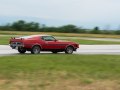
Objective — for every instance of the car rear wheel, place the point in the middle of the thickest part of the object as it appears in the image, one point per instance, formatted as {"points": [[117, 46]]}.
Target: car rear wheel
{"points": [[35, 50], [21, 50], [69, 50]]}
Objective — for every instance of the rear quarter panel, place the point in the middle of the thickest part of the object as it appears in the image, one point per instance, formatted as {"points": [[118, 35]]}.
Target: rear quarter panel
{"points": [[29, 43]]}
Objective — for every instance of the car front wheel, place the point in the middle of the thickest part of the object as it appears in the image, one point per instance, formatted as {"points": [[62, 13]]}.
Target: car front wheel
{"points": [[35, 50], [69, 50]]}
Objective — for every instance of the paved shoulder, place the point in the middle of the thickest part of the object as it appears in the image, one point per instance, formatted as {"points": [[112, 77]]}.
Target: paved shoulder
{"points": [[6, 50], [99, 49]]}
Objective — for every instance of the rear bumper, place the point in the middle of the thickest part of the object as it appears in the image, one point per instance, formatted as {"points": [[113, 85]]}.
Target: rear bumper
{"points": [[14, 46]]}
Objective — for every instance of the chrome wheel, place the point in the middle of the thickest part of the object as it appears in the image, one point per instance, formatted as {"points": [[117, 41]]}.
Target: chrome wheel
{"points": [[35, 50], [69, 50]]}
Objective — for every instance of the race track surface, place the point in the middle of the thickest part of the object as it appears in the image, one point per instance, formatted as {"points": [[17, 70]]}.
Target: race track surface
{"points": [[99, 49], [84, 49]]}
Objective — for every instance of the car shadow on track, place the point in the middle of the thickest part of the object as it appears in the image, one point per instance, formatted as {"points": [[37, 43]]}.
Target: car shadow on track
{"points": [[42, 53]]}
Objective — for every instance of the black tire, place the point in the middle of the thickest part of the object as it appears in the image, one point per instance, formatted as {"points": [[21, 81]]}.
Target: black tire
{"points": [[35, 50], [21, 50], [69, 50], [55, 52]]}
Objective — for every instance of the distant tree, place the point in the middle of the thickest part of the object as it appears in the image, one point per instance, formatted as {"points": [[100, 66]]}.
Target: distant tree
{"points": [[69, 29], [49, 29], [19, 25], [32, 26], [6, 27], [95, 30], [24, 26], [117, 32], [81, 30]]}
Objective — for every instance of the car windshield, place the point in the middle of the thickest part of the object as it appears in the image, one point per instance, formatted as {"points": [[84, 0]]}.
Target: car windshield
{"points": [[48, 38]]}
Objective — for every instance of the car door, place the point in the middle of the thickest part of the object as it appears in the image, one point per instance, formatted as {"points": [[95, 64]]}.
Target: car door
{"points": [[50, 43]]}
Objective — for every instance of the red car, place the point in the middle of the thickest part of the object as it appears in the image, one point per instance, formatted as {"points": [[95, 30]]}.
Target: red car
{"points": [[37, 43]]}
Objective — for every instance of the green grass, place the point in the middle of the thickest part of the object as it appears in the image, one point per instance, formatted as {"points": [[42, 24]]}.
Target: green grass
{"points": [[8, 34], [93, 42], [5, 41], [92, 66], [59, 34], [66, 72]]}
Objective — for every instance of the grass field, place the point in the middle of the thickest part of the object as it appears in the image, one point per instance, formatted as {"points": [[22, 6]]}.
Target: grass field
{"points": [[93, 42], [6, 35], [62, 72], [59, 34], [4, 40]]}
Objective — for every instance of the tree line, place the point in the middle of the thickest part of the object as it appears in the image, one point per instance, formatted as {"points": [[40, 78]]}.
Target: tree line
{"points": [[22, 25]]}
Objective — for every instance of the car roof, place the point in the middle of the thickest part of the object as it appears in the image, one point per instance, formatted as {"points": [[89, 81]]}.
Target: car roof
{"points": [[31, 36], [39, 35]]}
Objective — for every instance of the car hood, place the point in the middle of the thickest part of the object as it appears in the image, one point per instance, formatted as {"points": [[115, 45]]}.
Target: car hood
{"points": [[66, 42]]}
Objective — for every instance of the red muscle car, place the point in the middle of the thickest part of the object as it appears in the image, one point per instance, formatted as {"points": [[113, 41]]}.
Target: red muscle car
{"points": [[37, 43]]}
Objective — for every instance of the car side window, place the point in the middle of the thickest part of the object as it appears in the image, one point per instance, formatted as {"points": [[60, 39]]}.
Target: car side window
{"points": [[48, 38]]}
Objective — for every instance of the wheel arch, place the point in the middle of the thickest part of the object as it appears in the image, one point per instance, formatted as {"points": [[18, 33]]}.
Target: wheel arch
{"points": [[70, 46], [36, 45]]}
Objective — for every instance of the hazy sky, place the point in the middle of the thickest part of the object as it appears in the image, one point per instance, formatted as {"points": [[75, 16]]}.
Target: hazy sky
{"points": [[94, 12]]}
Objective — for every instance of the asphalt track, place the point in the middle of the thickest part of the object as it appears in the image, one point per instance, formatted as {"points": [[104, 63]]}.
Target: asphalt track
{"points": [[84, 49]]}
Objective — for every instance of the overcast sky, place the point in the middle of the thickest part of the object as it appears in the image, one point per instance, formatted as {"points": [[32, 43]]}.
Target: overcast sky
{"points": [[94, 12]]}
